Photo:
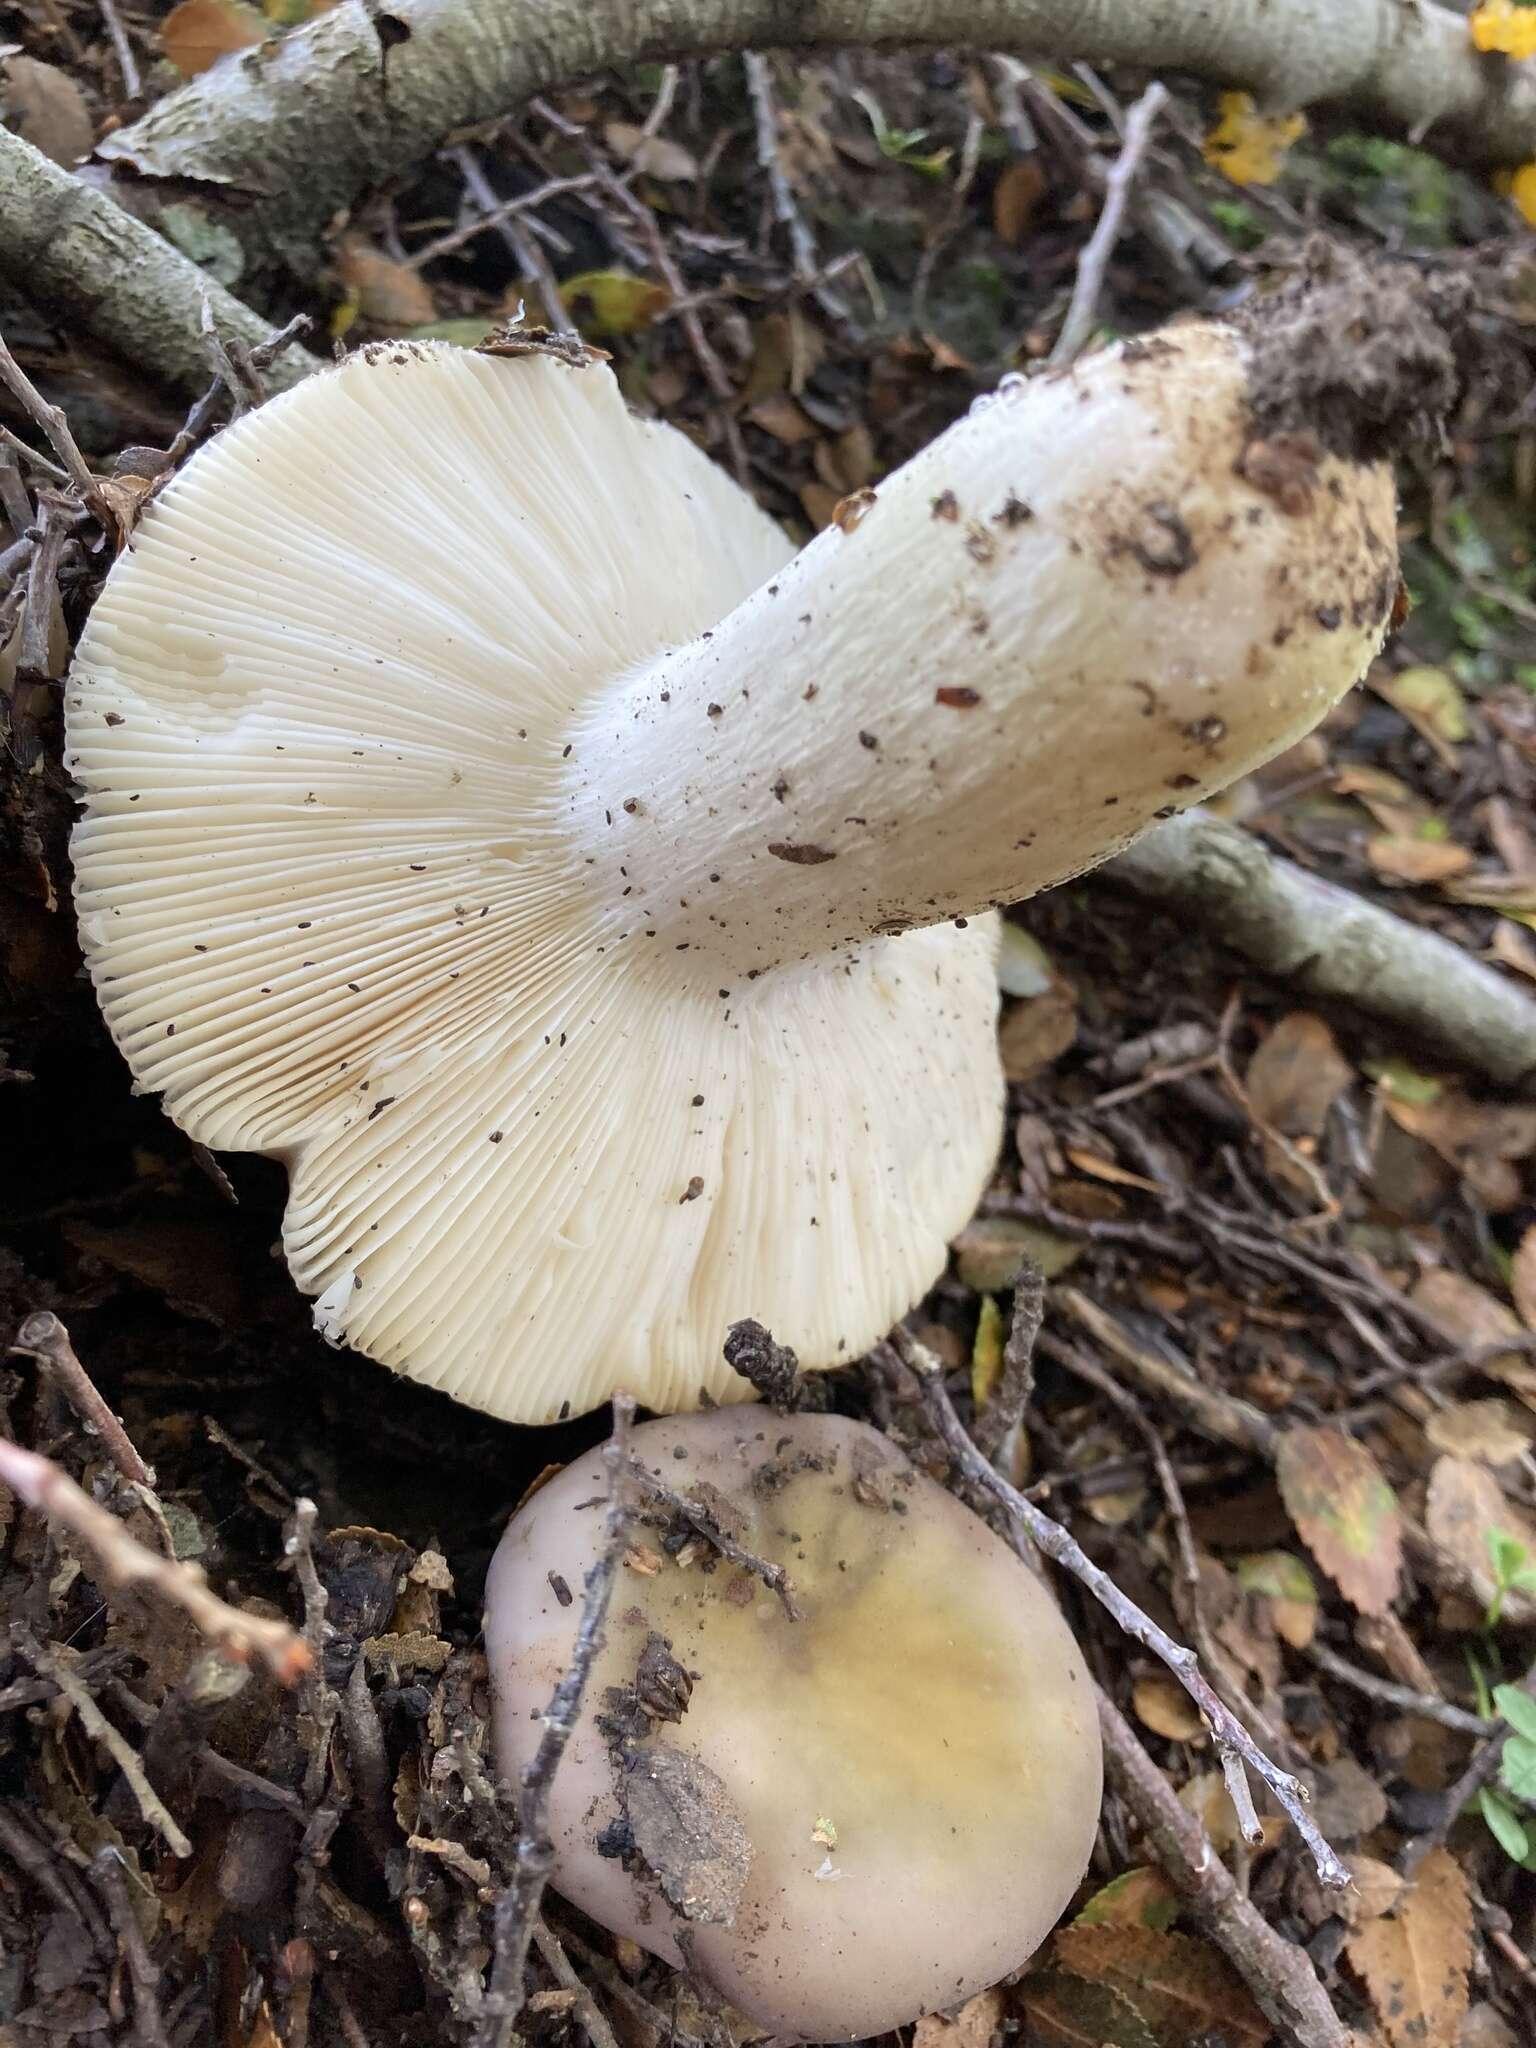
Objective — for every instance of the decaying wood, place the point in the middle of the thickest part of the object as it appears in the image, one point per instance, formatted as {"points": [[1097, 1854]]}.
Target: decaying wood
{"points": [[1328, 942], [75, 254]]}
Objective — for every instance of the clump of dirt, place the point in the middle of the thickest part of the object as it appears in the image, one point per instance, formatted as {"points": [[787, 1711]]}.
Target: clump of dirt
{"points": [[1367, 353]]}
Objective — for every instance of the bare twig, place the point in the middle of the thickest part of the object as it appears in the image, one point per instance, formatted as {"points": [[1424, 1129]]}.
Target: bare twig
{"points": [[1278, 1972], [44, 1337], [503, 210], [95, 1723], [1227, 1732], [52, 421], [529, 257], [517, 1907], [15, 502], [122, 1561], [586, 2008], [805, 262], [1424, 1704], [1001, 1416], [699, 1518], [143, 1971], [1083, 311], [127, 63]]}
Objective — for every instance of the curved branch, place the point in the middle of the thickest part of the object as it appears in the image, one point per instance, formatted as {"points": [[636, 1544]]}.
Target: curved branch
{"points": [[1332, 943], [299, 127], [75, 254]]}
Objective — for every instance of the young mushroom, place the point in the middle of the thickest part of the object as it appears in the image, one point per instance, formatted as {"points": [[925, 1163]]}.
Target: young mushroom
{"points": [[592, 905], [837, 1818]]}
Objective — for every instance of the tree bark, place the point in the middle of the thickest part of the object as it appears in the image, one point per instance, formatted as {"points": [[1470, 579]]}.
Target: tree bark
{"points": [[1331, 943], [79, 257], [300, 126]]}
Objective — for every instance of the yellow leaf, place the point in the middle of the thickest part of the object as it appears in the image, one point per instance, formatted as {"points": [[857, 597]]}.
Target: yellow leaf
{"points": [[607, 302], [1522, 189], [1432, 705], [197, 33], [987, 1352], [1501, 27], [1247, 146]]}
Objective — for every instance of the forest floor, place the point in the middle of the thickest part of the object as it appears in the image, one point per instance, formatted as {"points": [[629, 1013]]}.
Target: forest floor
{"points": [[1239, 1203]]}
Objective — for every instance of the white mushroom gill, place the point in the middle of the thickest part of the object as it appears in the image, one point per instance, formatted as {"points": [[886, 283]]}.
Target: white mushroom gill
{"points": [[480, 818]]}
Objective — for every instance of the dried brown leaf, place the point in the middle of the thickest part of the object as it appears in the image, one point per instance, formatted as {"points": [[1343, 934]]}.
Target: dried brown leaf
{"points": [[1468, 1313], [387, 293], [972, 2026], [1522, 1277], [44, 106], [1296, 1074], [1015, 197], [652, 154], [1405, 859], [1415, 1963], [1493, 1432], [1037, 1032], [1481, 1140], [1464, 1506], [1167, 1709], [1179, 1985], [197, 33], [1345, 1513]]}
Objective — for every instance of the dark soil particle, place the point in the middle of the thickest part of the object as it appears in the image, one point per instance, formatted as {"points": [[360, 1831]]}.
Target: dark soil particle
{"points": [[1367, 354]]}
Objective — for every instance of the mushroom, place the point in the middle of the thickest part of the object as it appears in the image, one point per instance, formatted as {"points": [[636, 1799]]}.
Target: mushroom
{"points": [[840, 1819], [591, 905]]}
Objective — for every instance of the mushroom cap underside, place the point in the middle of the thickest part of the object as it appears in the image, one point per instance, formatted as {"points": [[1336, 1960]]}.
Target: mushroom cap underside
{"points": [[333, 910]]}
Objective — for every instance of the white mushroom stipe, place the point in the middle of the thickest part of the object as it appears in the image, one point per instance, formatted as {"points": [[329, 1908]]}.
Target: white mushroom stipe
{"points": [[485, 817], [899, 1789]]}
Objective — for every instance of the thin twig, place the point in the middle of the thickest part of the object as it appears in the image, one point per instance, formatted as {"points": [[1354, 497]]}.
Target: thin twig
{"points": [[699, 1518], [48, 1664], [1227, 1732], [15, 502], [517, 1906], [526, 252], [1082, 313], [586, 2008], [127, 63], [143, 1971], [122, 1561], [52, 421], [503, 210], [1003, 1413], [1424, 1704], [805, 261], [43, 1337]]}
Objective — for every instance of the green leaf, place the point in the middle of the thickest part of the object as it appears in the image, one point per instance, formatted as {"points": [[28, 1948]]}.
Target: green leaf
{"points": [[1506, 1553], [1505, 1827], [1517, 1768], [1518, 1709]]}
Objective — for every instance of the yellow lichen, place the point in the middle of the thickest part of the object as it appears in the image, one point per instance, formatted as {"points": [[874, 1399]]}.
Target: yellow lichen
{"points": [[1249, 147]]}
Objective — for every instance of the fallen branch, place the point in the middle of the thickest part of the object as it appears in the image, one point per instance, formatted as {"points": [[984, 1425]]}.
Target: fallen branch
{"points": [[74, 254], [1231, 1738], [1328, 942], [123, 1562], [297, 129], [1278, 1972]]}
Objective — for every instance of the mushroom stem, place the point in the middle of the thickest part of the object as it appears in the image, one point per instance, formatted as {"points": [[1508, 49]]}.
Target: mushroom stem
{"points": [[1091, 602]]}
